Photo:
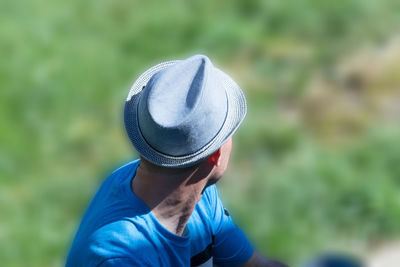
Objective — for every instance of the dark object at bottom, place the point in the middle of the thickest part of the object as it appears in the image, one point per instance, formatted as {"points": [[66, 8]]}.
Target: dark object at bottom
{"points": [[335, 260]]}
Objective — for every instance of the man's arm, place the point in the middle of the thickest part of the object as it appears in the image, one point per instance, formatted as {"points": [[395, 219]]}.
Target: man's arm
{"points": [[257, 260]]}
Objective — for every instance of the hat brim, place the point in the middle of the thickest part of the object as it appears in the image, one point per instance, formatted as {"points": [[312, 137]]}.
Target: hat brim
{"points": [[235, 115]]}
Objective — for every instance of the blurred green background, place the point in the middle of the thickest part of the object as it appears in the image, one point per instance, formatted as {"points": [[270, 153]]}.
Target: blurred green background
{"points": [[316, 163]]}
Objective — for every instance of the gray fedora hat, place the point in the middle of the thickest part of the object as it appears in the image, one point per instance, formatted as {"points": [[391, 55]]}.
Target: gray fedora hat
{"points": [[179, 112]]}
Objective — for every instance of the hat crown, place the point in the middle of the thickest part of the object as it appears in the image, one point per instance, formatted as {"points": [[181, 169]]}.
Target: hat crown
{"points": [[174, 92], [182, 107]]}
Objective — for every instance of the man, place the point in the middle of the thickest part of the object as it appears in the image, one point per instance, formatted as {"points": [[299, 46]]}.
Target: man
{"points": [[164, 210]]}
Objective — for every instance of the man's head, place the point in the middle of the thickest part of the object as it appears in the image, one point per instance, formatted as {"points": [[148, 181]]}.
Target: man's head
{"points": [[181, 113]]}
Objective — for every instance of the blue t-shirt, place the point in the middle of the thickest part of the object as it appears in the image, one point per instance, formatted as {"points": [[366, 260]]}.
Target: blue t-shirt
{"points": [[118, 229]]}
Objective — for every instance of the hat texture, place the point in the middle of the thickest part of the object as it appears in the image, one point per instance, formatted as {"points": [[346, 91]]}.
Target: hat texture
{"points": [[179, 112]]}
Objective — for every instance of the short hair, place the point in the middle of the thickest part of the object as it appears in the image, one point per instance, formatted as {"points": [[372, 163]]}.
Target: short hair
{"points": [[175, 170]]}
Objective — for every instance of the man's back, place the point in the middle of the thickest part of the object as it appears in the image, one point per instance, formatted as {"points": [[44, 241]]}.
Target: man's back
{"points": [[118, 229]]}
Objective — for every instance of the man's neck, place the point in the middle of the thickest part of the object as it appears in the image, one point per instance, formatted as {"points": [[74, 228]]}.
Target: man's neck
{"points": [[171, 197]]}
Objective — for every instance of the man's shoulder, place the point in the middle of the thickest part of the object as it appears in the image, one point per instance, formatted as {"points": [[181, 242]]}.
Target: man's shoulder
{"points": [[119, 175], [121, 239], [121, 236], [125, 169]]}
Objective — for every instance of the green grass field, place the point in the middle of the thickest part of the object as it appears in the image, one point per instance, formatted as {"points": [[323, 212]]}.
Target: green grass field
{"points": [[315, 163]]}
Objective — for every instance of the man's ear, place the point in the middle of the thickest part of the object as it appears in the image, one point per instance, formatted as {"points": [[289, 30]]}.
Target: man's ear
{"points": [[215, 158]]}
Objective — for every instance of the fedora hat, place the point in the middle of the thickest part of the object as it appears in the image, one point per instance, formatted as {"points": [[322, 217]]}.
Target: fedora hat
{"points": [[177, 113]]}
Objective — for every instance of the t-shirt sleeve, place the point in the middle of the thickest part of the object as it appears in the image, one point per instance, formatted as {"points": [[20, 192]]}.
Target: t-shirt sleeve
{"points": [[231, 247]]}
